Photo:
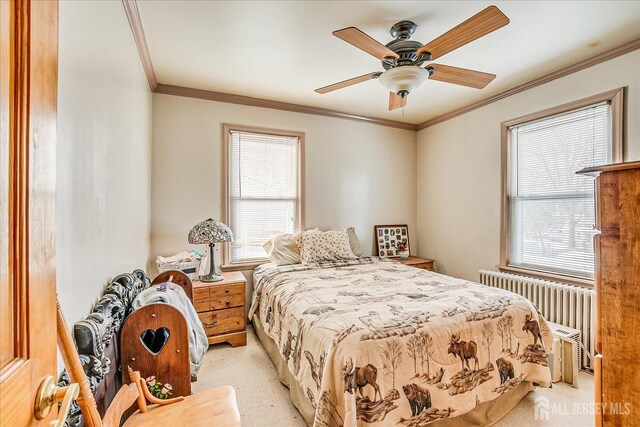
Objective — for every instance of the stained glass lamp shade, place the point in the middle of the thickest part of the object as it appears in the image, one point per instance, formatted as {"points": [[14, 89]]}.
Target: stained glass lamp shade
{"points": [[210, 232]]}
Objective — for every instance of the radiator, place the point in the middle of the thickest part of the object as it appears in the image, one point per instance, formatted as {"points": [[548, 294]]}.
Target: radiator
{"points": [[567, 305]]}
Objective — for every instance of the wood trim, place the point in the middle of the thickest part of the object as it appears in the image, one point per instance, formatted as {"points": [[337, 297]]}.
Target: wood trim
{"points": [[276, 105], [28, 94], [546, 276], [597, 284], [616, 100], [612, 96], [617, 126], [504, 200], [249, 266], [597, 388], [133, 15], [135, 22], [573, 68], [227, 128], [613, 167], [19, 171], [76, 373]]}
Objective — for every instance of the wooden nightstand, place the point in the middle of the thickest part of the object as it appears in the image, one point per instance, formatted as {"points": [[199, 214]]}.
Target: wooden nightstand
{"points": [[221, 308], [414, 261]]}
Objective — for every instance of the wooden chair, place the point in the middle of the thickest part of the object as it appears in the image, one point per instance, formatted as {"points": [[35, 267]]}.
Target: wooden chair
{"points": [[216, 406], [213, 407]]}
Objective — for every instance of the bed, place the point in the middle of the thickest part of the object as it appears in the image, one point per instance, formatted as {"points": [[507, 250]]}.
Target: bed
{"points": [[372, 341]]}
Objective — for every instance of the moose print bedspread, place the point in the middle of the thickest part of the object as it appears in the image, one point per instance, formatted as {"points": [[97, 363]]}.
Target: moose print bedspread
{"points": [[376, 342]]}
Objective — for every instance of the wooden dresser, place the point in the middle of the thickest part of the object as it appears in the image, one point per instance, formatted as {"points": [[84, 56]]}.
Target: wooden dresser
{"points": [[617, 283], [221, 308], [414, 261]]}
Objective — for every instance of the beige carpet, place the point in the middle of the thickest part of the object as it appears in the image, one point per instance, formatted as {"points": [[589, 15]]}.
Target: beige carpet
{"points": [[264, 401]]}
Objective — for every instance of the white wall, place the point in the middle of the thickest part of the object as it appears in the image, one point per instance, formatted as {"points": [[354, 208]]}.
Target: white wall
{"points": [[104, 152], [459, 165], [357, 174]]}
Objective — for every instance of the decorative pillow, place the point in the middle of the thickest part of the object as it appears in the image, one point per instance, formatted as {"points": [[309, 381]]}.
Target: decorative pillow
{"points": [[325, 246], [354, 242], [298, 237], [283, 249]]}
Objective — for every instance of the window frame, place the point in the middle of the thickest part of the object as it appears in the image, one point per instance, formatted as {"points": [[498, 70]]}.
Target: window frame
{"points": [[227, 128], [615, 98]]}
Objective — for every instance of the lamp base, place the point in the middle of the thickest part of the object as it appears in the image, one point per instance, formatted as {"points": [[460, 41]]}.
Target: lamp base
{"points": [[211, 278]]}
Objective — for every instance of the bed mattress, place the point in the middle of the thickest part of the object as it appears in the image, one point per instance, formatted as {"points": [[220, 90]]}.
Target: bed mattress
{"points": [[377, 342]]}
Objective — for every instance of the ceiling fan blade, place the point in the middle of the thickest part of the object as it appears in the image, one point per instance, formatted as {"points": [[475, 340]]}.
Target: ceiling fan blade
{"points": [[354, 36], [349, 82], [460, 76], [396, 101], [480, 24]]}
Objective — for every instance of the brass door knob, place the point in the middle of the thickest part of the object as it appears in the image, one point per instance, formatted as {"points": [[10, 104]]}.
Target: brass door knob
{"points": [[49, 394]]}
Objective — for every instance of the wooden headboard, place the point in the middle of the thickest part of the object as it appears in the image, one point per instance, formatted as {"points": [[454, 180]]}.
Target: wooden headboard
{"points": [[177, 277]]}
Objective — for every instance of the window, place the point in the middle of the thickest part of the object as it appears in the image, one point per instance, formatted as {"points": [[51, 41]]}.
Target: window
{"points": [[549, 212], [263, 189]]}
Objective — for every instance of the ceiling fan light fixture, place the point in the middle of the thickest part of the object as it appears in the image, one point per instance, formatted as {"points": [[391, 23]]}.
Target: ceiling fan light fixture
{"points": [[404, 79]]}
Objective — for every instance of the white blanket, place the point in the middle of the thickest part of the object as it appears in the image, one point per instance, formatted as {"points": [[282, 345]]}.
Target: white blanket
{"points": [[175, 296]]}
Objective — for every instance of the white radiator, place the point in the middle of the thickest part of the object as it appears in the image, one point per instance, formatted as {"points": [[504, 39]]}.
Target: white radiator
{"points": [[567, 305]]}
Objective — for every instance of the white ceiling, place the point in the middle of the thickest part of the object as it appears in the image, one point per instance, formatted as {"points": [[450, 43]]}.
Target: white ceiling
{"points": [[281, 50]]}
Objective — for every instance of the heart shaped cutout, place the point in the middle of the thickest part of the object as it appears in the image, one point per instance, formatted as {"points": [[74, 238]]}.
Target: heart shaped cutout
{"points": [[154, 341]]}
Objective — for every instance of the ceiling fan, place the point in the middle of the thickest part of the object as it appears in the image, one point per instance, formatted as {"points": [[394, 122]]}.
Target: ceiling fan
{"points": [[402, 58]]}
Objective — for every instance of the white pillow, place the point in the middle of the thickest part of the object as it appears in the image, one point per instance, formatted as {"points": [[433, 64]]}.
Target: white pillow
{"points": [[325, 246], [354, 242], [283, 249]]}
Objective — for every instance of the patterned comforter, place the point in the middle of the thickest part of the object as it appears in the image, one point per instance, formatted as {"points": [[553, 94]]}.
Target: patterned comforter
{"points": [[375, 341]]}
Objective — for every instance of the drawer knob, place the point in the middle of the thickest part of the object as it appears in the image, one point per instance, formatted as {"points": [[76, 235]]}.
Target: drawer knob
{"points": [[226, 290], [228, 302]]}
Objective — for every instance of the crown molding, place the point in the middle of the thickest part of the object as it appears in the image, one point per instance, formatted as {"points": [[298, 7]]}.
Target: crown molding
{"points": [[578, 66], [276, 105], [135, 22], [133, 15]]}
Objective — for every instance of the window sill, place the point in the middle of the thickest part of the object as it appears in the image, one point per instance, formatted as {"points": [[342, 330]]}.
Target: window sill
{"points": [[249, 266], [547, 276]]}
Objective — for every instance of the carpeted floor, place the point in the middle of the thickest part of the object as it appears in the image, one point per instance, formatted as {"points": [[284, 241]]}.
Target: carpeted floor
{"points": [[264, 401]]}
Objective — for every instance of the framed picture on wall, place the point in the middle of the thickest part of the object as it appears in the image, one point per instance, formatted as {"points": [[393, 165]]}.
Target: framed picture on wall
{"points": [[391, 241]]}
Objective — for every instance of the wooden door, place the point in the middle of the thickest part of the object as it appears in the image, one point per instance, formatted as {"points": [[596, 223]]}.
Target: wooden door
{"points": [[28, 97]]}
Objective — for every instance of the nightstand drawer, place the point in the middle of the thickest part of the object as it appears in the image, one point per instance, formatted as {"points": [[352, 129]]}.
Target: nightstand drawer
{"points": [[223, 291], [200, 295], [218, 303], [425, 266], [221, 321], [217, 291], [202, 305], [228, 302], [417, 262]]}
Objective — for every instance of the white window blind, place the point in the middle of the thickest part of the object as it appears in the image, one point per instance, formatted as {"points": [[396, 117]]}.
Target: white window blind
{"points": [[551, 209], [263, 191]]}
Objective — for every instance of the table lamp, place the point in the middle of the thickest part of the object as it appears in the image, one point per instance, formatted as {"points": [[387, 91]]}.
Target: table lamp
{"points": [[210, 232]]}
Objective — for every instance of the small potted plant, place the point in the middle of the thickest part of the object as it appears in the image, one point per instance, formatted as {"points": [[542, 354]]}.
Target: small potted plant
{"points": [[402, 250]]}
